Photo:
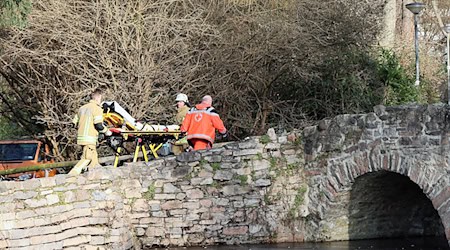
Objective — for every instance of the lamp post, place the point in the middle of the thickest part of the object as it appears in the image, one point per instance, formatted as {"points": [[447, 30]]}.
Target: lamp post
{"points": [[447, 31], [416, 8]]}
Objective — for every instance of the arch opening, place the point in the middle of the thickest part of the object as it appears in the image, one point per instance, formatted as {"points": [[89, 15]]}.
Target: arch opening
{"points": [[385, 205]]}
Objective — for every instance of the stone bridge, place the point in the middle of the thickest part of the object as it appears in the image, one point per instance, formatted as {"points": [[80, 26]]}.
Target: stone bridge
{"points": [[376, 175]]}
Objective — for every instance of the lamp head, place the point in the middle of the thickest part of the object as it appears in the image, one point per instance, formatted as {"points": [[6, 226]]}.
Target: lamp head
{"points": [[415, 7]]}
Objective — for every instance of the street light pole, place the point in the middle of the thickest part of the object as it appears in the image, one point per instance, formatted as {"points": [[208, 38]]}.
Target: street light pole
{"points": [[416, 45], [416, 8], [447, 32]]}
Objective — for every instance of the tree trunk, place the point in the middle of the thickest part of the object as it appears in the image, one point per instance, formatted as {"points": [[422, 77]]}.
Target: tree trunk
{"points": [[404, 24], [387, 36]]}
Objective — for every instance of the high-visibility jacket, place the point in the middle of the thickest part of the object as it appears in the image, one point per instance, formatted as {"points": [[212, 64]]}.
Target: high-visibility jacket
{"points": [[88, 115], [201, 122], [181, 114]]}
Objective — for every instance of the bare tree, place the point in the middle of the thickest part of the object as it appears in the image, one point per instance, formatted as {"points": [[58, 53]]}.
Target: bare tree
{"points": [[248, 54]]}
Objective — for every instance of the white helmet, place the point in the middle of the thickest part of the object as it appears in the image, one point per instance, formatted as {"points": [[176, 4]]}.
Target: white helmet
{"points": [[182, 97]]}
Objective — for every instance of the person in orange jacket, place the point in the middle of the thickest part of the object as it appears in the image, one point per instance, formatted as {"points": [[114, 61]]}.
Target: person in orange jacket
{"points": [[201, 123]]}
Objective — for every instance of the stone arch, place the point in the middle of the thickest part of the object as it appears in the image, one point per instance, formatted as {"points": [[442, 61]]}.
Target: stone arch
{"points": [[423, 166]]}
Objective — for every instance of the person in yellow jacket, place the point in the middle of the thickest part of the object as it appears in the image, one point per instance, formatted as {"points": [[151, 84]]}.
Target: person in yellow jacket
{"points": [[90, 123], [183, 107]]}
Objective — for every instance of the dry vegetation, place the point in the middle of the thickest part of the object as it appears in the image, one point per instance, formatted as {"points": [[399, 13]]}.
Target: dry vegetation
{"points": [[432, 49], [259, 59]]}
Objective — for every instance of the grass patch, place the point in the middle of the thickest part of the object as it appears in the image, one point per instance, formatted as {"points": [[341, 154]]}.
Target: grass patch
{"points": [[298, 201], [202, 162], [273, 162], [243, 179], [264, 139], [215, 166], [216, 184], [298, 142], [150, 193], [259, 156], [267, 200], [300, 196]]}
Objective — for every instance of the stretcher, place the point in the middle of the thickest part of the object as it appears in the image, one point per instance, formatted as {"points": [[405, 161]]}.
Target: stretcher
{"points": [[125, 128]]}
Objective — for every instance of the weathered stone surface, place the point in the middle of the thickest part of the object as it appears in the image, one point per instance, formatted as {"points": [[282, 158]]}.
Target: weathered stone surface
{"points": [[235, 230], [36, 203], [181, 172], [255, 228], [249, 191], [170, 188], [261, 165], [52, 199], [189, 157], [247, 152], [171, 205], [24, 195], [205, 174], [235, 190], [140, 205], [155, 231], [223, 175], [194, 194], [202, 181], [213, 158], [272, 135], [251, 202], [248, 144], [262, 182]]}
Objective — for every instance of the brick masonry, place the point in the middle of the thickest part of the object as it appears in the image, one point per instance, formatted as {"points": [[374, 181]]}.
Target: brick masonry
{"points": [[275, 188]]}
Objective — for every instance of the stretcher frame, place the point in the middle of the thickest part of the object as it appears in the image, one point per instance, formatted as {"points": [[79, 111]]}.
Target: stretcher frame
{"points": [[125, 127], [152, 139]]}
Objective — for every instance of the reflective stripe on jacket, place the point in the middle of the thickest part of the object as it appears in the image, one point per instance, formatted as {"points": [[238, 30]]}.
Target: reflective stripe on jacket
{"points": [[201, 122], [88, 115]]}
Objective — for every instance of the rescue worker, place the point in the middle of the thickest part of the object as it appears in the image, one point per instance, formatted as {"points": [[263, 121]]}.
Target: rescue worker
{"points": [[182, 109], [90, 123], [201, 123]]}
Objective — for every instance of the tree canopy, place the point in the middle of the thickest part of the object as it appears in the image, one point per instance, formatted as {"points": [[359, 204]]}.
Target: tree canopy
{"points": [[265, 62]]}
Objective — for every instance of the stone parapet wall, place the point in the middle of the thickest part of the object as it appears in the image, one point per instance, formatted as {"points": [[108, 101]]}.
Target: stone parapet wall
{"points": [[411, 141], [335, 181], [242, 192]]}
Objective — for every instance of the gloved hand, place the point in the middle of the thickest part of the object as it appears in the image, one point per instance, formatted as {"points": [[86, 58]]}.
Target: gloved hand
{"points": [[108, 133], [223, 136], [183, 134]]}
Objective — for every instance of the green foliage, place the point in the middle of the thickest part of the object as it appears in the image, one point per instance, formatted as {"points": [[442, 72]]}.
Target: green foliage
{"points": [[10, 130], [215, 166], [298, 201], [428, 92], [150, 193], [273, 162], [259, 156], [293, 166], [399, 84], [299, 196], [14, 13], [243, 179], [216, 184], [346, 82], [298, 142], [202, 162], [267, 200], [264, 139]]}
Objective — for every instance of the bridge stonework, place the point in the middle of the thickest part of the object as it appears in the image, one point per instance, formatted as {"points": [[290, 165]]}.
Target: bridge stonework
{"points": [[382, 174]]}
